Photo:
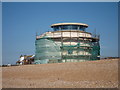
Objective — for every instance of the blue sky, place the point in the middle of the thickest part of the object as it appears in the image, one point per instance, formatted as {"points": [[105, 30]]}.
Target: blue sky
{"points": [[21, 21]]}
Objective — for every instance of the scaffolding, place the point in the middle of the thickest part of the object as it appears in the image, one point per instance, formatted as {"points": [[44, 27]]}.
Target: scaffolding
{"points": [[47, 51], [93, 49]]}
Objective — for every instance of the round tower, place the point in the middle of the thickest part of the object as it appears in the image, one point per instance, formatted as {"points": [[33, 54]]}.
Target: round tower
{"points": [[68, 42]]}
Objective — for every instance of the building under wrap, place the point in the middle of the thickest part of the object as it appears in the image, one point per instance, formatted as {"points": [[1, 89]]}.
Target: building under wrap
{"points": [[68, 42]]}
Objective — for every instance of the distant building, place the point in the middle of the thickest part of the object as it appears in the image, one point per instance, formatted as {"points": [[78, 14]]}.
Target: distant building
{"points": [[69, 42], [24, 59]]}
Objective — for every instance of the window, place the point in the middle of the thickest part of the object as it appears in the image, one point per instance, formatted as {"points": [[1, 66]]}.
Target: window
{"points": [[69, 27], [75, 27], [82, 28], [56, 28]]}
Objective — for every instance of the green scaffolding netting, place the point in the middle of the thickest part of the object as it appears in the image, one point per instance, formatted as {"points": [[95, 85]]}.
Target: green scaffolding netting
{"points": [[47, 51], [95, 52]]}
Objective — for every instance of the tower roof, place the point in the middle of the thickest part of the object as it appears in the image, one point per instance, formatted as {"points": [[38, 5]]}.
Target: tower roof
{"points": [[59, 24]]}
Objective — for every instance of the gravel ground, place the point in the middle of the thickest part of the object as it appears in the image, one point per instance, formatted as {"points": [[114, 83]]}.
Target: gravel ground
{"points": [[89, 74]]}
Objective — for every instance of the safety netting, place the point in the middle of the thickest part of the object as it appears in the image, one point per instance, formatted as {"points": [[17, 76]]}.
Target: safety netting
{"points": [[47, 51]]}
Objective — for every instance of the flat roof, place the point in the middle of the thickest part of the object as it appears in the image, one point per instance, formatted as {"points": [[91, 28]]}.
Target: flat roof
{"points": [[58, 24]]}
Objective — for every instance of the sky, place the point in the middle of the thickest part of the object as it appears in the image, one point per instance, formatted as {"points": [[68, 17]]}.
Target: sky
{"points": [[21, 21]]}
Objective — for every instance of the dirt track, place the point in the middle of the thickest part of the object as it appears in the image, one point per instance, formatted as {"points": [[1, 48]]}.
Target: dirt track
{"points": [[90, 74]]}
